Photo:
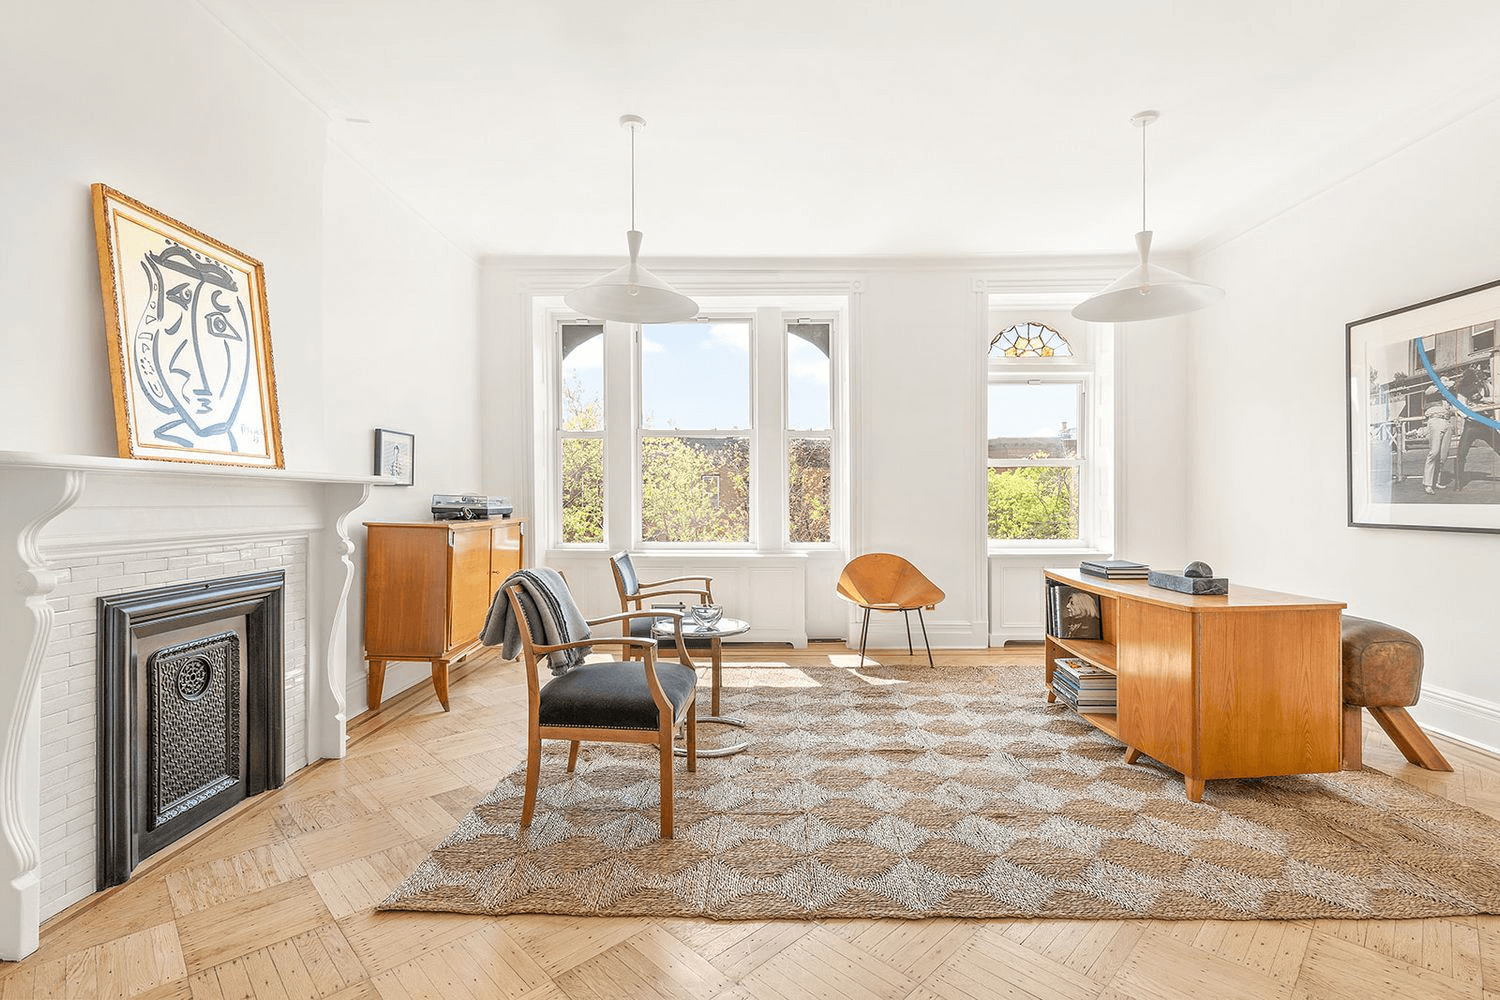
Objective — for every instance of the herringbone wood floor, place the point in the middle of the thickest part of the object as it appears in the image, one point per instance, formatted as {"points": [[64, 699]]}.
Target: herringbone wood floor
{"points": [[276, 901]]}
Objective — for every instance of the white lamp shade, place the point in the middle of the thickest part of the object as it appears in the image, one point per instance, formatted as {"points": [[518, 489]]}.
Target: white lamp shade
{"points": [[631, 294], [1147, 291]]}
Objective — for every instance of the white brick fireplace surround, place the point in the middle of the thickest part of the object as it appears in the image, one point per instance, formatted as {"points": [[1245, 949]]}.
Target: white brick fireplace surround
{"points": [[73, 529]]}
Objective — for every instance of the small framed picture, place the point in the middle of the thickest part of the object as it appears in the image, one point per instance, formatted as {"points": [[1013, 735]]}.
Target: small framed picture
{"points": [[393, 456]]}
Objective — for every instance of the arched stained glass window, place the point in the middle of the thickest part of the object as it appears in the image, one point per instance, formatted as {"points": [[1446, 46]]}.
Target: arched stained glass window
{"points": [[1030, 340]]}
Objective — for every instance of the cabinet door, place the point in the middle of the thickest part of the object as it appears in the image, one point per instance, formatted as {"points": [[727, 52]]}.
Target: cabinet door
{"points": [[505, 552], [1154, 654], [406, 592], [469, 568]]}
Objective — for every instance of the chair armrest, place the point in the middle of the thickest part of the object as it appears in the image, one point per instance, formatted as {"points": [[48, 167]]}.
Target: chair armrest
{"points": [[598, 640], [642, 595], [676, 579], [625, 616]]}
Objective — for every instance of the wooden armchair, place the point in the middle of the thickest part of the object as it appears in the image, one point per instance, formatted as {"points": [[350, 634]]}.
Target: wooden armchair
{"points": [[635, 592], [622, 701]]}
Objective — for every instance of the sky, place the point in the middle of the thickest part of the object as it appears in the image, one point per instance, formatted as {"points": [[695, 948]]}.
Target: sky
{"points": [[697, 376], [1023, 410]]}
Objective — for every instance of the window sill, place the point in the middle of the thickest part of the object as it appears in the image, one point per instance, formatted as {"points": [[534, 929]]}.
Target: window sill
{"points": [[1038, 551]]}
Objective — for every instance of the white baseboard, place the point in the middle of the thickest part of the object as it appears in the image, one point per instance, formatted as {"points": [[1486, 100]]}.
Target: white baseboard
{"points": [[1460, 717], [1020, 633], [891, 632]]}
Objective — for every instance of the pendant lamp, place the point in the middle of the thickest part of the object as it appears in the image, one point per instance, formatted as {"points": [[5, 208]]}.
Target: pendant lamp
{"points": [[631, 294], [1146, 291]]}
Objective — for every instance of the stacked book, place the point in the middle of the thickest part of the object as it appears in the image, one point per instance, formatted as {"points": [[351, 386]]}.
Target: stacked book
{"points": [[1115, 569], [1083, 686]]}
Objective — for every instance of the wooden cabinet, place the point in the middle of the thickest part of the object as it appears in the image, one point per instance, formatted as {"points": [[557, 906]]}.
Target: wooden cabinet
{"points": [[428, 587], [1238, 686]]}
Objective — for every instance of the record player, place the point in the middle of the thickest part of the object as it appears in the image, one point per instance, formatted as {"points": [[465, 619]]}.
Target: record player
{"points": [[468, 507]]}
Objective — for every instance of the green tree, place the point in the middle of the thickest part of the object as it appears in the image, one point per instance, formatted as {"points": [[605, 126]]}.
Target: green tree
{"points": [[808, 490], [582, 465], [1034, 502], [678, 501]]}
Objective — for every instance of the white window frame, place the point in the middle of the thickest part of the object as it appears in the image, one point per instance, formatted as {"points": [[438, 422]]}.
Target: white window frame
{"points": [[836, 511], [769, 313], [1095, 522], [559, 435], [642, 432]]}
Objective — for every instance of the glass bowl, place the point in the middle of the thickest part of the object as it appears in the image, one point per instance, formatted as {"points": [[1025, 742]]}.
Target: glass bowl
{"points": [[708, 615]]}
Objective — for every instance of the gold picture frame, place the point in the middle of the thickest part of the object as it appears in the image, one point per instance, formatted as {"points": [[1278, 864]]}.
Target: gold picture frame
{"points": [[189, 342]]}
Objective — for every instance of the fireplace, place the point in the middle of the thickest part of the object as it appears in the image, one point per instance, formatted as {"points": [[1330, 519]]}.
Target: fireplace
{"points": [[190, 710]]}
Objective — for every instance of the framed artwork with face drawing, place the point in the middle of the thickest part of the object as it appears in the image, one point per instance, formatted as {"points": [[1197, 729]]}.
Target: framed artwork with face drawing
{"points": [[189, 344]]}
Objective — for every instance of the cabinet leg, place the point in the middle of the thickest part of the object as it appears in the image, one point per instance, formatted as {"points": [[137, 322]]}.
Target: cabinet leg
{"points": [[375, 684], [1132, 755], [1353, 755], [440, 681], [1194, 788]]}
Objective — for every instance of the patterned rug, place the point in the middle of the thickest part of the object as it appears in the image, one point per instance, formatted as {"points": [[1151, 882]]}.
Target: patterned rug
{"points": [[956, 791]]}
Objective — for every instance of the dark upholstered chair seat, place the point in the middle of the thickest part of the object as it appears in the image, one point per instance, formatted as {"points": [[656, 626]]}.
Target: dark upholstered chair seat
{"points": [[614, 695]]}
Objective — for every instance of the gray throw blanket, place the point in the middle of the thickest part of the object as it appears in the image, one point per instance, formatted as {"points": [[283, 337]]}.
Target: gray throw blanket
{"points": [[551, 617]]}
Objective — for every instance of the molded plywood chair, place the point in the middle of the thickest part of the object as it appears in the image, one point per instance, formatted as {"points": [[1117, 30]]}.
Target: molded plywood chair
{"points": [[618, 702], [881, 581], [635, 592]]}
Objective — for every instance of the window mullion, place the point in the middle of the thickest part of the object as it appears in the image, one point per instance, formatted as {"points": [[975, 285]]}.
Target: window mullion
{"points": [[768, 437], [619, 427]]}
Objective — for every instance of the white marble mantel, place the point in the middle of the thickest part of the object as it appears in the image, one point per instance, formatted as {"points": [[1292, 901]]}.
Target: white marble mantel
{"points": [[55, 505]]}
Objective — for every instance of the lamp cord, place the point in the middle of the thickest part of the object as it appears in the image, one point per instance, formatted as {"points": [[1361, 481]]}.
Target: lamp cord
{"points": [[632, 177], [1143, 176]]}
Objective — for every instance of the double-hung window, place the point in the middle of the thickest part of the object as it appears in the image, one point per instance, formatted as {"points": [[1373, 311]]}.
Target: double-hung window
{"points": [[809, 431], [695, 430], [580, 409], [1038, 448]]}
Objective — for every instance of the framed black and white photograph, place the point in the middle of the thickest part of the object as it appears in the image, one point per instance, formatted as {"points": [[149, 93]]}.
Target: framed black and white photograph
{"points": [[1424, 434], [394, 456]]}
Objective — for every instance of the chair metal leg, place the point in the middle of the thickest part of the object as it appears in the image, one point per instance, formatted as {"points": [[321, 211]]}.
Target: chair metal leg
{"points": [[906, 614], [923, 623], [863, 632]]}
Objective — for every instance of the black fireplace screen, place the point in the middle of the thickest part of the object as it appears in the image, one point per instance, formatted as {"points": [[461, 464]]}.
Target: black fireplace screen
{"points": [[191, 718]]}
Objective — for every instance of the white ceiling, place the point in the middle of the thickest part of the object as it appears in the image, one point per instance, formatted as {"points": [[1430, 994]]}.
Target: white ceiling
{"points": [[853, 127]]}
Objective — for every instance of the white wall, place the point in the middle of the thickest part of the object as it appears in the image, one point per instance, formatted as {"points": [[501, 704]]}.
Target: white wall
{"points": [[373, 316], [400, 318], [917, 375], [158, 101], [1267, 391]]}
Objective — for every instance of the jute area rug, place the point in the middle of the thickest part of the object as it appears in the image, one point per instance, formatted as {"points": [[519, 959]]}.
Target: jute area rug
{"points": [[950, 791]]}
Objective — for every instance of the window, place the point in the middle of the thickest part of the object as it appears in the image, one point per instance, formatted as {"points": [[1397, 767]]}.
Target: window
{"points": [[1029, 340], [718, 431], [1035, 459], [809, 479], [581, 431], [695, 432], [1038, 456]]}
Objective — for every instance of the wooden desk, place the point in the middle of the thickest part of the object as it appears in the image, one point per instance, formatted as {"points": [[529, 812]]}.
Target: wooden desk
{"points": [[1238, 686]]}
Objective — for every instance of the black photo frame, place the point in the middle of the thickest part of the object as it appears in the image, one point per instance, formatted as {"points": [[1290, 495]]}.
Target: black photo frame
{"points": [[395, 456], [1423, 423]]}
